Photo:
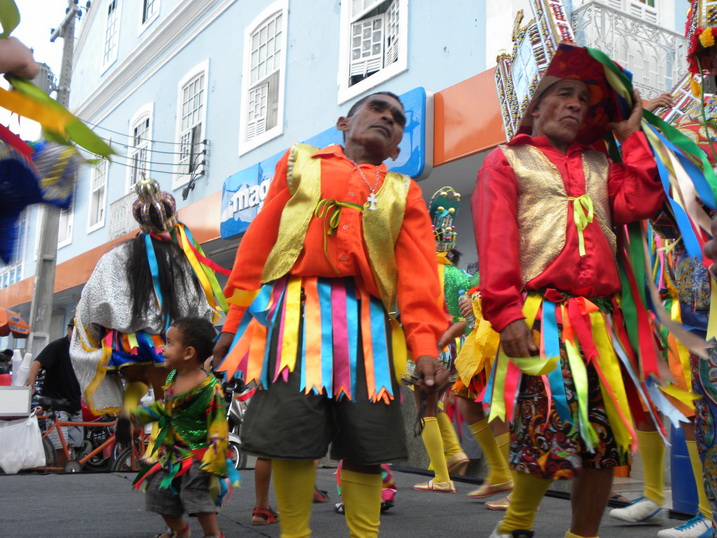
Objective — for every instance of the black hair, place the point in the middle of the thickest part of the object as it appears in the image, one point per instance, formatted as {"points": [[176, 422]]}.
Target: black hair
{"points": [[8, 353], [198, 333], [361, 101], [174, 276], [454, 256]]}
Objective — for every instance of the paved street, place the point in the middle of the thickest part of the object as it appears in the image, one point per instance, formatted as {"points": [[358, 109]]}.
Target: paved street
{"points": [[105, 505]]}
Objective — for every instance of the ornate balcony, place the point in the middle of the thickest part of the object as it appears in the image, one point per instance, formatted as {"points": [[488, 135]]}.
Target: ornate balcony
{"points": [[655, 56]]}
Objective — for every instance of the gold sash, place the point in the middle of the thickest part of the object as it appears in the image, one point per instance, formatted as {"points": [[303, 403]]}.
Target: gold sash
{"points": [[543, 204], [380, 227]]}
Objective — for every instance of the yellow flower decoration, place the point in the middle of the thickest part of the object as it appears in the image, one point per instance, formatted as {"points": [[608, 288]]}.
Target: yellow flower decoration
{"points": [[707, 38], [696, 88]]}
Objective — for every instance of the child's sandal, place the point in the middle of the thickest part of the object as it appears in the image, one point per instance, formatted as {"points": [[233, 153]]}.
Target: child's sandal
{"points": [[186, 532]]}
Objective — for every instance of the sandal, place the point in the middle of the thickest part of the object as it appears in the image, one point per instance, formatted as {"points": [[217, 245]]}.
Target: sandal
{"points": [[339, 508], [263, 516], [619, 498], [320, 496], [186, 532]]}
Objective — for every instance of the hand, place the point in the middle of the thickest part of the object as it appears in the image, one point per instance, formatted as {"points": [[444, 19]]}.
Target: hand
{"points": [[664, 100], [623, 129], [16, 58], [517, 340], [433, 377], [221, 348], [466, 306], [453, 332]]}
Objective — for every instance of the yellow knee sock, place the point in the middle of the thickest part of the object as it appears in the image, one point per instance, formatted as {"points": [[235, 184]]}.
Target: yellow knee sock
{"points": [[704, 503], [529, 491], [133, 393], [498, 471], [652, 452], [434, 446], [573, 535], [361, 493], [294, 489], [451, 445]]}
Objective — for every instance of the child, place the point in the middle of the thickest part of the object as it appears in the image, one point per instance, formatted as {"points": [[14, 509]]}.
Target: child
{"points": [[192, 440]]}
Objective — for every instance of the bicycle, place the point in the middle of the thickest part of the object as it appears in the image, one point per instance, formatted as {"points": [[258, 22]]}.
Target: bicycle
{"points": [[74, 464]]}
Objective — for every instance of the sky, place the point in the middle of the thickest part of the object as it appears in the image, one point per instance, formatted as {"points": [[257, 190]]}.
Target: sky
{"points": [[37, 18]]}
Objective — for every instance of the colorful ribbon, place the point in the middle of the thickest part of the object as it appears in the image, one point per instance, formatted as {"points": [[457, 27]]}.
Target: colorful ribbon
{"points": [[582, 215]]}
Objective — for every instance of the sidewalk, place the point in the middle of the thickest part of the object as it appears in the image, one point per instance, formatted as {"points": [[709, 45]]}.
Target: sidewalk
{"points": [[71, 505]]}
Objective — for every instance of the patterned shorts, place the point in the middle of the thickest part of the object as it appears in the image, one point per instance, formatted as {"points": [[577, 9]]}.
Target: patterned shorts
{"points": [[544, 445], [704, 383]]}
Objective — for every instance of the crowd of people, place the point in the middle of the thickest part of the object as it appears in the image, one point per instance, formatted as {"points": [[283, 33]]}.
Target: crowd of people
{"points": [[345, 279]]}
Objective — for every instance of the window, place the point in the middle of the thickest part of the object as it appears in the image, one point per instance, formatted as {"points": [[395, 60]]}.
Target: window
{"points": [[98, 196], [150, 8], [140, 136], [111, 33], [263, 80], [191, 119], [373, 44]]}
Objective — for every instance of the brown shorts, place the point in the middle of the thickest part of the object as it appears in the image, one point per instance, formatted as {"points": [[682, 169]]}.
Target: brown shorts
{"points": [[189, 494]]}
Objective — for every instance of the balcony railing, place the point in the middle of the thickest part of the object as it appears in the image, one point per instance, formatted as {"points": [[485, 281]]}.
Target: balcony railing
{"points": [[654, 55], [121, 219]]}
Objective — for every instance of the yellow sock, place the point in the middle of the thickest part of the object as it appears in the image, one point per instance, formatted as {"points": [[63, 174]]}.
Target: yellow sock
{"points": [[503, 442], [294, 488], [527, 494], [573, 535], [434, 446], [451, 445], [362, 502], [704, 503], [652, 452], [133, 393], [498, 471]]}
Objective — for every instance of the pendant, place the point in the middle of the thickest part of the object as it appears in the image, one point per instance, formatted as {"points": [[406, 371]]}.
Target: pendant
{"points": [[371, 200]]}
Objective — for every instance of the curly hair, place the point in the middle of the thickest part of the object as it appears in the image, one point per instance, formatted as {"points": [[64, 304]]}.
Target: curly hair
{"points": [[198, 333]]}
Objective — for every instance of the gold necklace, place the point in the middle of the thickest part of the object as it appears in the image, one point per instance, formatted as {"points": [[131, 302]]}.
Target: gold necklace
{"points": [[371, 200]]}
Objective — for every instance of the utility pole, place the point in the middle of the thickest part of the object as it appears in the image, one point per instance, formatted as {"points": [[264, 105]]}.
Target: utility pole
{"points": [[42, 295]]}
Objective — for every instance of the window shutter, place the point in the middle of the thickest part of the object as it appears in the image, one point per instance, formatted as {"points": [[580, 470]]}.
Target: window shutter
{"points": [[392, 23], [367, 45]]}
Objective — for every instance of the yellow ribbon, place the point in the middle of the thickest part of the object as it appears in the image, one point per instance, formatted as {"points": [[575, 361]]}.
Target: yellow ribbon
{"points": [[292, 316], [330, 210], [52, 119], [582, 215]]}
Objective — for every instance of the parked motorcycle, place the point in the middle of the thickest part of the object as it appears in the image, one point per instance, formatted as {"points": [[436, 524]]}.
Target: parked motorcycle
{"points": [[237, 396]]}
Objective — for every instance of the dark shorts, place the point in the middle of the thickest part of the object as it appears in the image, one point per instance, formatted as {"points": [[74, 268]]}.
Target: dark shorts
{"points": [[544, 445], [284, 423], [189, 494]]}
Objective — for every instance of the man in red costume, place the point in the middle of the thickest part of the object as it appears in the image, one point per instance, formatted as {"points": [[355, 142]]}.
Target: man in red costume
{"points": [[544, 208]]}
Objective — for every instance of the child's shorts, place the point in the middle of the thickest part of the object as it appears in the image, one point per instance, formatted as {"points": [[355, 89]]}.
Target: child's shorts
{"points": [[191, 496]]}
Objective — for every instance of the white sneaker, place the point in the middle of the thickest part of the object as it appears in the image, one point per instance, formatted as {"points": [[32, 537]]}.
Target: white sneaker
{"points": [[514, 534], [697, 527], [641, 510]]}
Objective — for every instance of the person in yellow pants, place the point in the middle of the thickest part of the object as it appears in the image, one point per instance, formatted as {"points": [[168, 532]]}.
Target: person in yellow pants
{"points": [[338, 242]]}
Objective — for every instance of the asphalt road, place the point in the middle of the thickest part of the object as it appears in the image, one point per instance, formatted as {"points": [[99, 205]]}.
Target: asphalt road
{"points": [[69, 505]]}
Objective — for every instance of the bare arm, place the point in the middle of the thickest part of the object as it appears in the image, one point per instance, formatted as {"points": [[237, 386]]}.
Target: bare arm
{"points": [[34, 370]]}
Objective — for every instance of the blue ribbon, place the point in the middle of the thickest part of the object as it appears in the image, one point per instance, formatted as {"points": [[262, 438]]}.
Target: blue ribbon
{"points": [[381, 367], [154, 269], [552, 349], [327, 337], [683, 222]]}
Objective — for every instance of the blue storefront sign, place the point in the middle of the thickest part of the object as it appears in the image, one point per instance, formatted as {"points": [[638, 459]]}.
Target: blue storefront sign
{"points": [[244, 192]]}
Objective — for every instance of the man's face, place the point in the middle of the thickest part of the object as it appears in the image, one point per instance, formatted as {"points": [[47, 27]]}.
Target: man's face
{"points": [[377, 126], [560, 112]]}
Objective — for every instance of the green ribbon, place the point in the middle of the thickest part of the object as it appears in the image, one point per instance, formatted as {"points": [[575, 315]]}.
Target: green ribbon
{"points": [[583, 213], [623, 86], [9, 17]]}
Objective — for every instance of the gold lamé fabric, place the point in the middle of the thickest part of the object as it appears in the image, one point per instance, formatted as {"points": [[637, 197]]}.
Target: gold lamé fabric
{"points": [[380, 227], [543, 205]]}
